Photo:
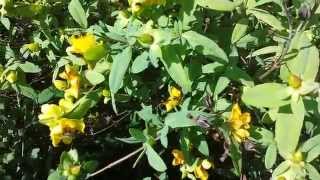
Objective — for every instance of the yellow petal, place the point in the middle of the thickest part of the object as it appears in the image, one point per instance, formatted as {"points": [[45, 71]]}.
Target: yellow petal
{"points": [[80, 44], [175, 92], [201, 173], [73, 124], [206, 164], [178, 157], [66, 104], [235, 112], [50, 111], [12, 77], [171, 104], [61, 85], [245, 118]]}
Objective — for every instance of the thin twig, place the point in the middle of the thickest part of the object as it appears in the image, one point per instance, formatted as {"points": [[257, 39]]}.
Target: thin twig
{"points": [[117, 162]]}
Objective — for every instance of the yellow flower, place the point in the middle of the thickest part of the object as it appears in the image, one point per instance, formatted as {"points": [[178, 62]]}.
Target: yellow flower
{"points": [[239, 123], [61, 85], [80, 44], [73, 82], [64, 129], [66, 104], [200, 170], [50, 112], [175, 96], [178, 157], [12, 77]]}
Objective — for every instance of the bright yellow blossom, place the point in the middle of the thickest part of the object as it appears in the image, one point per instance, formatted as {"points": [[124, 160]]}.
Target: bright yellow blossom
{"points": [[61, 129], [64, 129], [175, 96], [178, 157], [239, 123], [50, 112], [60, 84], [80, 44], [200, 170], [72, 83], [12, 77]]}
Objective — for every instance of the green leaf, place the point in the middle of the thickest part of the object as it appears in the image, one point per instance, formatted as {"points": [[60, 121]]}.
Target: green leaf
{"points": [[181, 119], [306, 64], [205, 46], [78, 14], [283, 167], [119, 68], [154, 159], [298, 108], [203, 147], [5, 22], [45, 95], [163, 136], [312, 172], [173, 63], [239, 30], [94, 77], [137, 134], [266, 95], [287, 138], [271, 156], [29, 67], [310, 143], [83, 105], [237, 74], [219, 5], [27, 91], [313, 153], [221, 85], [55, 175], [265, 50], [140, 63], [90, 166], [266, 17]]}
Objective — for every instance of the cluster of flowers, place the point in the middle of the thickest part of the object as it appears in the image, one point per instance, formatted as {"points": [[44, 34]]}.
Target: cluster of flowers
{"points": [[197, 170], [61, 128], [54, 116]]}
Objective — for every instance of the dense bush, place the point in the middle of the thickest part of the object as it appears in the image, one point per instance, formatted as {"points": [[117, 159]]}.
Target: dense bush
{"points": [[159, 89]]}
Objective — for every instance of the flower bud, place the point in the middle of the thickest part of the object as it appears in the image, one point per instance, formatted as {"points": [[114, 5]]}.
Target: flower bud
{"points": [[106, 93], [75, 170], [294, 81], [12, 77], [145, 39], [304, 12], [206, 164]]}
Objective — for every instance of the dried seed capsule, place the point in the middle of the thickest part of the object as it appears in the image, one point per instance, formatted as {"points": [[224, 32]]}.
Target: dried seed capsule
{"points": [[304, 12]]}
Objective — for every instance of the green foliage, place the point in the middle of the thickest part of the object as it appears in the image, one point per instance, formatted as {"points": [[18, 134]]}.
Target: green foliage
{"points": [[215, 89]]}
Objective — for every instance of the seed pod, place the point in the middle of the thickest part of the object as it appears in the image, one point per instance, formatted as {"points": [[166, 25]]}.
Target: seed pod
{"points": [[304, 12]]}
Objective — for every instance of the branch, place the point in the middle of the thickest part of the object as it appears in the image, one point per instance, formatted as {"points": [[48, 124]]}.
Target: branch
{"points": [[115, 163]]}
